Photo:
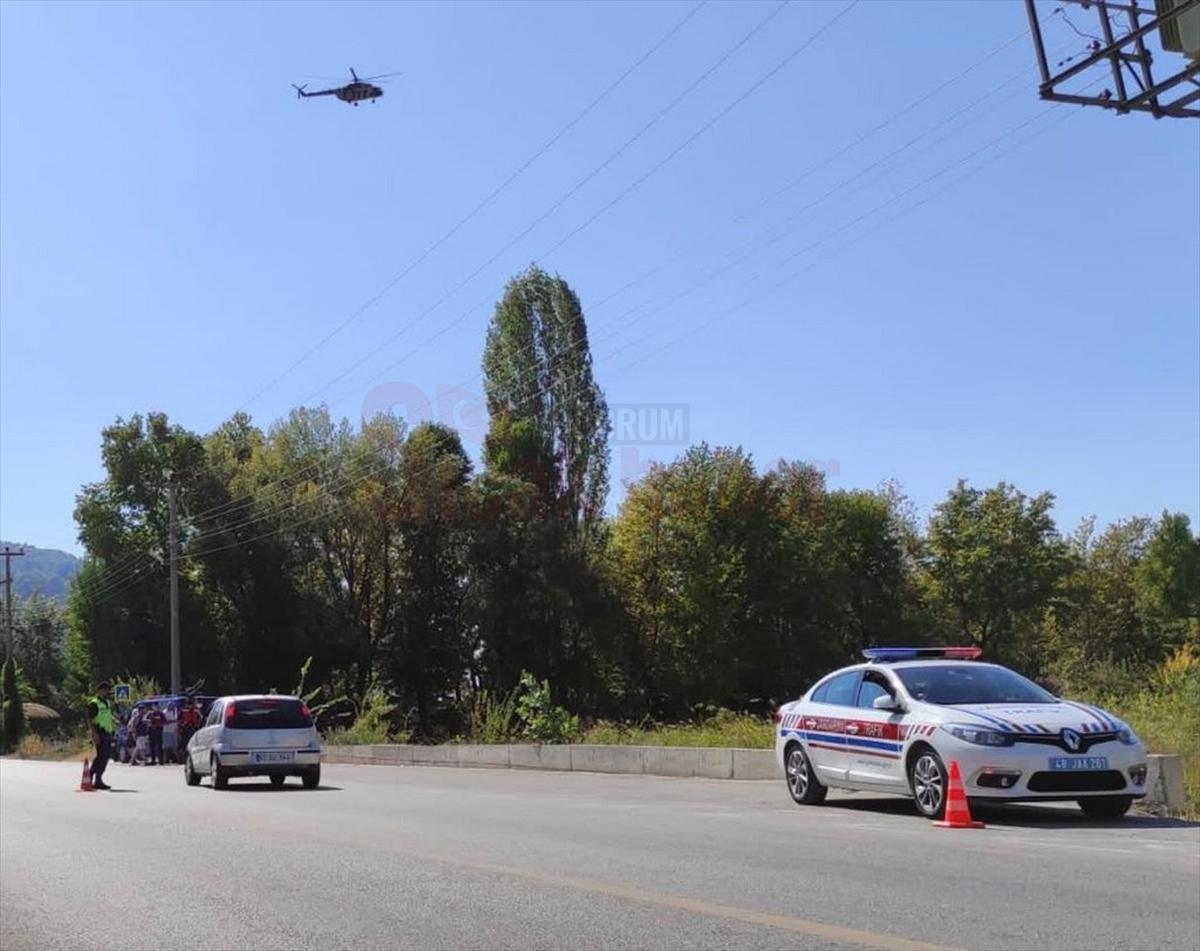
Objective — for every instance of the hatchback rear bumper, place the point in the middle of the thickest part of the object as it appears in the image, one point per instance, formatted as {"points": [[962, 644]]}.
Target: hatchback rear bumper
{"points": [[241, 763]]}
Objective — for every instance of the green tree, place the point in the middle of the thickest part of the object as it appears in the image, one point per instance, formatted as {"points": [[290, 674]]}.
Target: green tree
{"points": [[550, 421], [118, 599], [693, 547], [994, 561], [427, 653], [39, 640], [1167, 583], [13, 700]]}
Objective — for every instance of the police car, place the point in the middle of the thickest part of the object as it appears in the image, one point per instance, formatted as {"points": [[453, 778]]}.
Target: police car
{"points": [[894, 724]]}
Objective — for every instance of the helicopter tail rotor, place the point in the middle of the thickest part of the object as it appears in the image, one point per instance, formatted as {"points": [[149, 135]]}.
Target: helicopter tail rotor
{"points": [[299, 90]]}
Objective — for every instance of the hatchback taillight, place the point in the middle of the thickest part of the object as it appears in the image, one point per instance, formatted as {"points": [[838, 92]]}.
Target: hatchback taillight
{"points": [[230, 710], [307, 713]]}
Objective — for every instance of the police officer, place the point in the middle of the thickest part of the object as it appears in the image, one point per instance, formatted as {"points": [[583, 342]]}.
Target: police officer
{"points": [[104, 725]]}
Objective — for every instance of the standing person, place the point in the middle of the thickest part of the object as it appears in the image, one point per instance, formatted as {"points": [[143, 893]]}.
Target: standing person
{"points": [[141, 752], [189, 723], [103, 725], [157, 722]]}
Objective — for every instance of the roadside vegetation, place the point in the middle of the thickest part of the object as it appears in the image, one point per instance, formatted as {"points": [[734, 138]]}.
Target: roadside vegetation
{"points": [[1162, 705], [430, 596]]}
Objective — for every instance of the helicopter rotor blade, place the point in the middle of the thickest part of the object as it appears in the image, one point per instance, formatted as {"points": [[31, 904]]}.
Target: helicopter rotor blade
{"points": [[380, 76]]}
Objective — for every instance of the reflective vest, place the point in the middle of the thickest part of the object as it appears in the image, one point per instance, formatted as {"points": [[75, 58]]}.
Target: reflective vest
{"points": [[104, 716]]}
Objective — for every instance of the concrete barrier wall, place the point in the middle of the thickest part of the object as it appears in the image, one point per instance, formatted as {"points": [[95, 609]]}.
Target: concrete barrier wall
{"points": [[1164, 779], [703, 762]]}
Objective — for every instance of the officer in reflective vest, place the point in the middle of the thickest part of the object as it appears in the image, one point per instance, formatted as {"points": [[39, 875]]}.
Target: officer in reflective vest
{"points": [[104, 725]]}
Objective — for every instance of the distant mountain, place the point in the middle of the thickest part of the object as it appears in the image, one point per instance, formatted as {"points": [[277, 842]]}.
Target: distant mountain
{"points": [[46, 570]]}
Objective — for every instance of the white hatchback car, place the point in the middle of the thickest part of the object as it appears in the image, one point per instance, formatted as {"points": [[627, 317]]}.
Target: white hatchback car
{"points": [[894, 724], [255, 735]]}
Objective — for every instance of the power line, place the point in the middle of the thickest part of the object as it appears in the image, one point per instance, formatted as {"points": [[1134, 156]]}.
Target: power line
{"points": [[571, 192], [487, 200], [878, 127], [692, 330], [624, 193]]}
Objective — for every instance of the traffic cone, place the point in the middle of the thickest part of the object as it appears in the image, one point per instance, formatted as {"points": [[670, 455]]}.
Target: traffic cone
{"points": [[85, 781], [958, 813]]}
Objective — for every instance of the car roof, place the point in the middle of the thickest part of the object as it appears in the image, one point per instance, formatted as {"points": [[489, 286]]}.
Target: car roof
{"points": [[918, 662], [259, 696]]}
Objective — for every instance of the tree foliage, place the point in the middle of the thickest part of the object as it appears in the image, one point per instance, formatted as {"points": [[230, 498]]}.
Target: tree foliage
{"points": [[429, 596]]}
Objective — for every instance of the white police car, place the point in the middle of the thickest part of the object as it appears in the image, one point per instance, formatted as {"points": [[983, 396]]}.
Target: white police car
{"points": [[894, 724]]}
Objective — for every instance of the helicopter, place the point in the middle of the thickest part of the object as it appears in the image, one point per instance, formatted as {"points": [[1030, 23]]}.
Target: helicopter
{"points": [[353, 92]]}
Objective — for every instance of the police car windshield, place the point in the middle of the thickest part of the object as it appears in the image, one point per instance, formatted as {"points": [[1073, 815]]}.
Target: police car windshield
{"points": [[970, 683]]}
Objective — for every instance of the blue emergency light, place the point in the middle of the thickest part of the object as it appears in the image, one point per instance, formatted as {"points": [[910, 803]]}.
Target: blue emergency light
{"points": [[884, 654]]}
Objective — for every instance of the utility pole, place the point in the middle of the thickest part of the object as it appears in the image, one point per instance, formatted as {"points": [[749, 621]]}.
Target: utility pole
{"points": [[9, 555], [173, 546]]}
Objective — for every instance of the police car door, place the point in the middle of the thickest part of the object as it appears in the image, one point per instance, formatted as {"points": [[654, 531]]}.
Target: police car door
{"points": [[824, 724], [873, 746]]}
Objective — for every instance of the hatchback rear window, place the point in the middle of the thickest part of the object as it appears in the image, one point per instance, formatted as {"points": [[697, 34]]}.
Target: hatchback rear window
{"points": [[268, 713]]}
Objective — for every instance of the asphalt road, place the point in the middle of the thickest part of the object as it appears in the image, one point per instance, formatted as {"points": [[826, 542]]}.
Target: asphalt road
{"points": [[392, 857]]}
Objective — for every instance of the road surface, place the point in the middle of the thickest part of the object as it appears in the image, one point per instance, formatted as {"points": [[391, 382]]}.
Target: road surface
{"points": [[395, 857]]}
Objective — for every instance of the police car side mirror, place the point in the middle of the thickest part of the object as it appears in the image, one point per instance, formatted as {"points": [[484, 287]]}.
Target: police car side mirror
{"points": [[887, 703]]}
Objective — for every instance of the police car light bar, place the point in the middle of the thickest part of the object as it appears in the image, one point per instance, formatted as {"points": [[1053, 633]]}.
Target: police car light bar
{"points": [[884, 654]]}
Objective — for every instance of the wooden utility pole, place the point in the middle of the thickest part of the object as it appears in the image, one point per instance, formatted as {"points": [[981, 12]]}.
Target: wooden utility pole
{"points": [[9, 554]]}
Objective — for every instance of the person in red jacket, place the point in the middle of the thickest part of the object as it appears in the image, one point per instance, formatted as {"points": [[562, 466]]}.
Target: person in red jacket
{"points": [[189, 723]]}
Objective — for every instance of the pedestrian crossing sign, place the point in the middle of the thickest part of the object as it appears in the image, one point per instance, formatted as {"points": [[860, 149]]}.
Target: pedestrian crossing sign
{"points": [[121, 693]]}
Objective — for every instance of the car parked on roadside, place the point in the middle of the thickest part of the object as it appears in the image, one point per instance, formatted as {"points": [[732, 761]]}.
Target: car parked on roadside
{"points": [[255, 735], [893, 725]]}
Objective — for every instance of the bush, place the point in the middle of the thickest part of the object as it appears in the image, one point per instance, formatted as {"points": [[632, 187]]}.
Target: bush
{"points": [[543, 721], [371, 725], [527, 714]]}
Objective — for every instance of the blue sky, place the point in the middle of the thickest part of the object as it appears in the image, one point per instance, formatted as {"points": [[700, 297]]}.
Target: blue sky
{"points": [[177, 230]]}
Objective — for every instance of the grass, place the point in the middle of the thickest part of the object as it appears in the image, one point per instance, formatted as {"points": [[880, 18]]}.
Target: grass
{"points": [[33, 746], [725, 729]]}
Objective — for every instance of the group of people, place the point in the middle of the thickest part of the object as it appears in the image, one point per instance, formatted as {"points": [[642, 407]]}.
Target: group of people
{"points": [[142, 738]]}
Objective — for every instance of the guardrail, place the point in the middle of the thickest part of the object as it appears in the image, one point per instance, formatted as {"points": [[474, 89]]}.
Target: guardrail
{"points": [[1164, 779]]}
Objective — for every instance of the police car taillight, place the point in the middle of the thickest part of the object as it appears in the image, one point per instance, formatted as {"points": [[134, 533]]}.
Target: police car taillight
{"points": [[776, 716]]}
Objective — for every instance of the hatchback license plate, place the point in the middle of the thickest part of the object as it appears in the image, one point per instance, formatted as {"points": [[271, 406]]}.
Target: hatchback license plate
{"points": [[1078, 762], [272, 756]]}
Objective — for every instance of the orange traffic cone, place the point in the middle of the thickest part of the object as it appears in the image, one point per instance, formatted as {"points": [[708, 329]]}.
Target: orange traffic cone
{"points": [[958, 813], [85, 781]]}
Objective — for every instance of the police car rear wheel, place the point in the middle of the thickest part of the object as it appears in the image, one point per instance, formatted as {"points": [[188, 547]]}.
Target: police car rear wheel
{"points": [[801, 781], [927, 779], [1105, 807]]}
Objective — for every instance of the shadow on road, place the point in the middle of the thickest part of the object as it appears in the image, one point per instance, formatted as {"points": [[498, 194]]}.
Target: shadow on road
{"points": [[1047, 816], [285, 788]]}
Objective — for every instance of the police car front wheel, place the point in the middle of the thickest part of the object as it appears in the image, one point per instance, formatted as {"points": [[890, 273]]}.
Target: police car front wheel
{"points": [[927, 779]]}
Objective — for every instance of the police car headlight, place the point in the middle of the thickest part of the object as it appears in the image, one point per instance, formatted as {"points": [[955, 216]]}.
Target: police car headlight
{"points": [[973, 734], [1127, 736]]}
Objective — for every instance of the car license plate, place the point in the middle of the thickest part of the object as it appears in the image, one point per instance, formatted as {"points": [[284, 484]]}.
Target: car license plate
{"points": [[1079, 762], [272, 756]]}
